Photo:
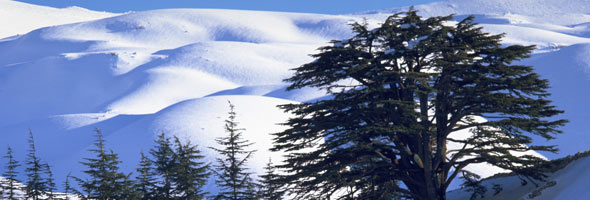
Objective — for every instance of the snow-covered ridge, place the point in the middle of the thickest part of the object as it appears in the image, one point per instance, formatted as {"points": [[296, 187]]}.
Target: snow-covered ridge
{"points": [[549, 24], [561, 12], [20, 18], [120, 64]]}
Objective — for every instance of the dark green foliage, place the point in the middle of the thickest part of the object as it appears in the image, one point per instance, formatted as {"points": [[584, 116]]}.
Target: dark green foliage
{"points": [[472, 183], [557, 164], [252, 189], [36, 184], [270, 189], [10, 185], [549, 167], [177, 173], [164, 166], [50, 182], [232, 176], [105, 181], [145, 180], [497, 189], [68, 188], [189, 173], [78, 193], [399, 93]]}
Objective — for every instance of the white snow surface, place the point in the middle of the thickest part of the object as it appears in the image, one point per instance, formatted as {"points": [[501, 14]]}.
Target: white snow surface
{"points": [[138, 74], [570, 182], [17, 18], [562, 12]]}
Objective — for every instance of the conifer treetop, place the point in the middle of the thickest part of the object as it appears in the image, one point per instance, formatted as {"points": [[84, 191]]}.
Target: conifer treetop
{"points": [[399, 93]]}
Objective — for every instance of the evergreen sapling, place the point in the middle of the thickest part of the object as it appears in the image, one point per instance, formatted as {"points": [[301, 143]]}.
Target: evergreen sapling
{"points": [[36, 184], [145, 180], [232, 176], [190, 173], [10, 184]]}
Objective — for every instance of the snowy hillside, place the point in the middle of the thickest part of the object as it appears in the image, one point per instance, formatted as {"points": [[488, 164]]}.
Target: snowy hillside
{"points": [[31, 17], [136, 75], [549, 24], [569, 182], [547, 12]]}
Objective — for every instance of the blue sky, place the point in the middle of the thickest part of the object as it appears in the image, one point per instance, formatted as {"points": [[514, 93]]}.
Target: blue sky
{"points": [[309, 6]]}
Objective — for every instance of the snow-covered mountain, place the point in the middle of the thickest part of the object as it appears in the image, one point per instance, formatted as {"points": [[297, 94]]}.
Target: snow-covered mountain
{"points": [[138, 74], [19, 18]]}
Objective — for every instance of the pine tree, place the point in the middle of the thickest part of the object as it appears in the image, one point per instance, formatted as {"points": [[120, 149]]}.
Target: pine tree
{"points": [[106, 182], [232, 176], [85, 190], [126, 188], [146, 181], [398, 93], [50, 182], [189, 173], [164, 166], [36, 184], [10, 185], [270, 189], [252, 189], [68, 188]]}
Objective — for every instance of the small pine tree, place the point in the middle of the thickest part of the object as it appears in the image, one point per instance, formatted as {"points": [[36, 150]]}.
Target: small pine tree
{"points": [[2, 183], [75, 191], [190, 174], [252, 189], [85, 192], [10, 184], [126, 187], [231, 171], [68, 188], [270, 189], [36, 184], [50, 182], [105, 180], [164, 164], [145, 185]]}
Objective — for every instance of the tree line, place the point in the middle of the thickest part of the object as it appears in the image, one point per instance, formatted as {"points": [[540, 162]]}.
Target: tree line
{"points": [[172, 169]]}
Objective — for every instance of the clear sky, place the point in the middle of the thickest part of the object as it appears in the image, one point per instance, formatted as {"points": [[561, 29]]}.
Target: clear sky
{"points": [[308, 6]]}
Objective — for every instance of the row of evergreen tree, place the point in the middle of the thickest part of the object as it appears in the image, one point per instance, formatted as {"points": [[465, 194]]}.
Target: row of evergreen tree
{"points": [[171, 170]]}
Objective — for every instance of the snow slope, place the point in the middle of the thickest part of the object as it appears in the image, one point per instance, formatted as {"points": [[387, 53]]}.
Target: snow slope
{"points": [[554, 12], [570, 182], [549, 24], [31, 17], [138, 74]]}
